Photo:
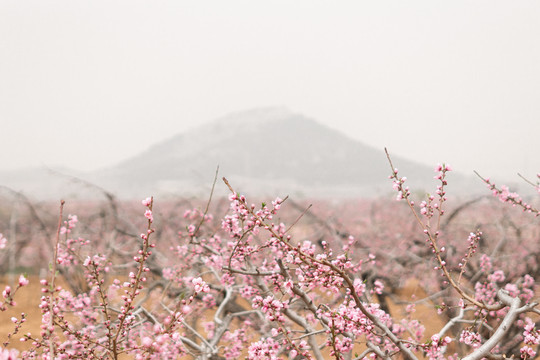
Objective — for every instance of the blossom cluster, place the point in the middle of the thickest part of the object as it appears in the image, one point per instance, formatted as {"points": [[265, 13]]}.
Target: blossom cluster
{"points": [[253, 285]]}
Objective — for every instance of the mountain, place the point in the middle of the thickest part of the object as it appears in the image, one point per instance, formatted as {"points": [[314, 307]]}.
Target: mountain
{"points": [[264, 151], [270, 151]]}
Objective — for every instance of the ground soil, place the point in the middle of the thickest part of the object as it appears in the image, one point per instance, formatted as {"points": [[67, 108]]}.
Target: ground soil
{"points": [[28, 299]]}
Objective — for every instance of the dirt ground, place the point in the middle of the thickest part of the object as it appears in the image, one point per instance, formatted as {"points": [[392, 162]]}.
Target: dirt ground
{"points": [[27, 299]]}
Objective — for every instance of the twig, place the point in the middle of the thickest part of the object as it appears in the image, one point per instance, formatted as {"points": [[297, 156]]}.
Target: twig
{"points": [[432, 237], [298, 218], [53, 281], [407, 353], [207, 204]]}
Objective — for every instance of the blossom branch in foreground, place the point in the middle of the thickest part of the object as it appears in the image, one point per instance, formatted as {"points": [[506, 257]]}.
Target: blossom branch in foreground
{"points": [[504, 194], [334, 268], [433, 234]]}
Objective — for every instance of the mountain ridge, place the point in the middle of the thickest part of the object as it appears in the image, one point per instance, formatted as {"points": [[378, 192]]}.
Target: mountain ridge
{"points": [[266, 145], [266, 151]]}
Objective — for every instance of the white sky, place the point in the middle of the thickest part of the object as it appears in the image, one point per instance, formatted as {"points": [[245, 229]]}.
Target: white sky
{"points": [[85, 84]]}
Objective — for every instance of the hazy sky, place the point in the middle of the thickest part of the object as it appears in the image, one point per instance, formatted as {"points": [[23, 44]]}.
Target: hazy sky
{"points": [[85, 84]]}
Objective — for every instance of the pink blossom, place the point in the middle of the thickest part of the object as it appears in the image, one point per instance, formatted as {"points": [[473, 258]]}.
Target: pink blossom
{"points": [[148, 215], [470, 338], [200, 285], [277, 203], [9, 354], [72, 221], [379, 287], [264, 349], [527, 352], [23, 281], [7, 292], [288, 284], [497, 276], [146, 342], [531, 336], [359, 287]]}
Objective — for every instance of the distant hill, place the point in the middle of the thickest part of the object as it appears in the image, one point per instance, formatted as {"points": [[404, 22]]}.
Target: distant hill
{"points": [[265, 151], [268, 151]]}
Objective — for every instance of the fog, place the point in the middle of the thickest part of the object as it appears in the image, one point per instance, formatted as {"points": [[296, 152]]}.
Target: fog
{"points": [[86, 84]]}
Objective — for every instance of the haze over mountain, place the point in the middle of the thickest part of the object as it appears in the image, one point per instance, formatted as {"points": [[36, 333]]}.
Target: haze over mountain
{"points": [[264, 151]]}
